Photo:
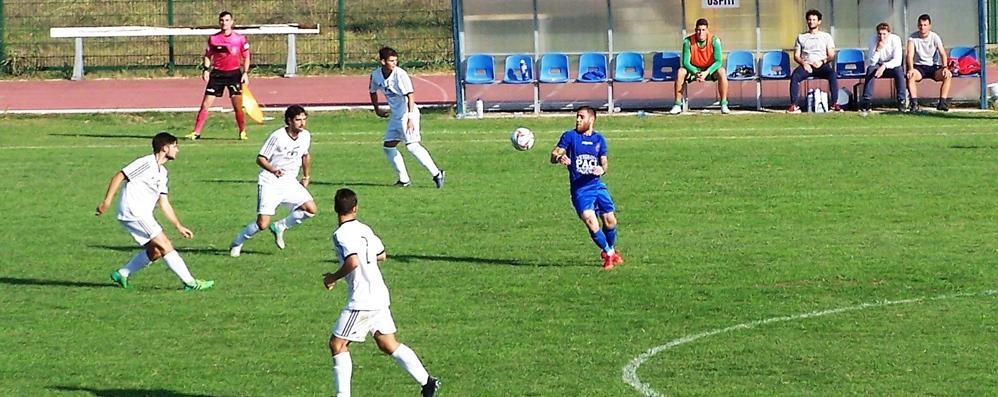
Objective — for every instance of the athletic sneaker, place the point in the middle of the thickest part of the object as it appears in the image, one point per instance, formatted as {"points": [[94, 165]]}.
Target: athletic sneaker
{"points": [[119, 279], [439, 179], [235, 250], [243, 136], [793, 109], [402, 184], [430, 388], [193, 136], [676, 109], [607, 260], [278, 235], [913, 106], [942, 106], [724, 109], [199, 285], [836, 108], [616, 258]]}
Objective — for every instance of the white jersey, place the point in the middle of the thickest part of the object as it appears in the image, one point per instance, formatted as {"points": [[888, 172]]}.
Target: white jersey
{"points": [[395, 87], [925, 48], [366, 289], [146, 182], [889, 54], [814, 46], [284, 153]]}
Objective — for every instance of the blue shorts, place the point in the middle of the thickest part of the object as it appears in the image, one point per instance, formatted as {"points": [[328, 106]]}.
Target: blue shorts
{"points": [[595, 198]]}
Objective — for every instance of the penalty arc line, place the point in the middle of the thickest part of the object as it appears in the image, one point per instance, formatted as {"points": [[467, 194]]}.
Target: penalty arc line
{"points": [[630, 372]]}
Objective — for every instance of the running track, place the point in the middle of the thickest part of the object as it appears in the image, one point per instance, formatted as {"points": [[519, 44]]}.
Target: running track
{"points": [[185, 93]]}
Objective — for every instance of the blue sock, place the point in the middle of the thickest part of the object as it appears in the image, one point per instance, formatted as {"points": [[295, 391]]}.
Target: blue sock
{"points": [[600, 239], [611, 236]]}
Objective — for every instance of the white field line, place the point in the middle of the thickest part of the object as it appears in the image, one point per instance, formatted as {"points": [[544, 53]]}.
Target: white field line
{"points": [[630, 372], [503, 137]]}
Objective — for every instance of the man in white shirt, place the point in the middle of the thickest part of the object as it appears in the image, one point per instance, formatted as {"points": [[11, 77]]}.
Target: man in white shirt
{"points": [[145, 185], [814, 51], [358, 251], [403, 124], [282, 155], [923, 46], [885, 60]]}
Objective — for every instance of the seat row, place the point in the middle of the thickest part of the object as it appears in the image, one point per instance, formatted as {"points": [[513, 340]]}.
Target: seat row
{"points": [[629, 66]]}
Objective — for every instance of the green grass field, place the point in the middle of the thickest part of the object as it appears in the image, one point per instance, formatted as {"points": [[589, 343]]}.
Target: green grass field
{"points": [[763, 223]]}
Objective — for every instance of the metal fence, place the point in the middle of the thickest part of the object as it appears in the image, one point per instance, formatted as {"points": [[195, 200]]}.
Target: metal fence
{"points": [[351, 32]]}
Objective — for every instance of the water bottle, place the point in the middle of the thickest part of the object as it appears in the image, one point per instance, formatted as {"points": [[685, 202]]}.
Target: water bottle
{"points": [[523, 70], [479, 108]]}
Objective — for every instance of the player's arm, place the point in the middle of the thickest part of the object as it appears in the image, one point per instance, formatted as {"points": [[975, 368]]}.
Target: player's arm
{"points": [[717, 57], [164, 204], [206, 61], [246, 63], [909, 56], [602, 168], [943, 55], [349, 264], [558, 156], [687, 56], [306, 169], [112, 189], [265, 164]]}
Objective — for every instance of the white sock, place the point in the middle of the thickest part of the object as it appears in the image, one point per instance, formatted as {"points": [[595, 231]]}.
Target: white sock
{"points": [[176, 263], [296, 217], [406, 358], [246, 234], [342, 369], [139, 261], [395, 159], [423, 156]]}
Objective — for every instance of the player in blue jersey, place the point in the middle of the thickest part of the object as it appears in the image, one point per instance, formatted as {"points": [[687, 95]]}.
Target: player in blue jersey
{"points": [[583, 151]]}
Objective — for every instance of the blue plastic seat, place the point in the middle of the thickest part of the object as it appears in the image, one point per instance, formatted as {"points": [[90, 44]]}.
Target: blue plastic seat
{"points": [[629, 67], [958, 52], [479, 69], [514, 73], [554, 68], [775, 65], [850, 63], [741, 59], [592, 68], [664, 66]]}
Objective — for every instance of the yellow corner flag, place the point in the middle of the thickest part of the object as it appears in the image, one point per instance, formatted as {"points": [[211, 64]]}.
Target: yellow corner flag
{"points": [[250, 105]]}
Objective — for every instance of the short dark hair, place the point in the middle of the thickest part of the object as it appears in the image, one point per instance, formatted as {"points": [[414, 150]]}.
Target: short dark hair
{"points": [[224, 13], [386, 52], [344, 201], [925, 17], [587, 109], [162, 140], [812, 12], [884, 26], [701, 22], [292, 112]]}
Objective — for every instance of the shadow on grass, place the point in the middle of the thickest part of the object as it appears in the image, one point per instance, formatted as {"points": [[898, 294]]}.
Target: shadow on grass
{"points": [[972, 147], [187, 250], [408, 258], [127, 392], [54, 283], [957, 115], [319, 183]]}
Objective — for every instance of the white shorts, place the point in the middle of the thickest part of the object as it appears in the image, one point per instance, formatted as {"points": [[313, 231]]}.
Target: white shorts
{"points": [[142, 230], [286, 191], [396, 129], [354, 325]]}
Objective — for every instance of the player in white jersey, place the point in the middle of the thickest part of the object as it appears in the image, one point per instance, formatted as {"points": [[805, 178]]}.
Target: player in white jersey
{"points": [[145, 185], [923, 47], [283, 154], [358, 250], [403, 122]]}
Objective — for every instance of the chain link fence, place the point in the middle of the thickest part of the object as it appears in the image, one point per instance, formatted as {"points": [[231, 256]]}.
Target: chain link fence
{"points": [[419, 29]]}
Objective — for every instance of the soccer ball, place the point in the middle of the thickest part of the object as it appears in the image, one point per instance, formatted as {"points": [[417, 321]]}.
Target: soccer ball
{"points": [[522, 138]]}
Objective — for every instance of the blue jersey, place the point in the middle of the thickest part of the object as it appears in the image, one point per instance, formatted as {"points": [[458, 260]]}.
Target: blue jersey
{"points": [[584, 151]]}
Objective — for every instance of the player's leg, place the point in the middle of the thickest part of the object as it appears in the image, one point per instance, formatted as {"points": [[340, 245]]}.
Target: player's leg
{"points": [[722, 89], [413, 142], [213, 90], [302, 207], [827, 72], [900, 86], [796, 77], [868, 78], [268, 198], [680, 83], [161, 246], [383, 328], [142, 231], [914, 76], [394, 135], [235, 87], [342, 365], [945, 76]]}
